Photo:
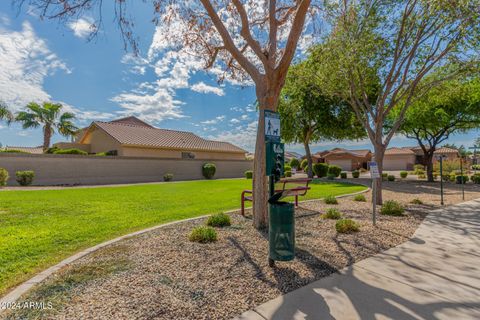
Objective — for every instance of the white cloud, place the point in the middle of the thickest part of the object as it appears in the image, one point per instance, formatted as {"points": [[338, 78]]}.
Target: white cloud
{"points": [[202, 87], [4, 20], [25, 62], [82, 27], [243, 136], [234, 120], [214, 121]]}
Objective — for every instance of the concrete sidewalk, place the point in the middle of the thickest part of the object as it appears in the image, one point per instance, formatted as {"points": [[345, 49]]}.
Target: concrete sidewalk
{"points": [[435, 275]]}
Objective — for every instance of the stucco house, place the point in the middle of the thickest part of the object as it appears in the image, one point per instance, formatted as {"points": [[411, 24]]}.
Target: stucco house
{"points": [[405, 158], [132, 137], [348, 160]]}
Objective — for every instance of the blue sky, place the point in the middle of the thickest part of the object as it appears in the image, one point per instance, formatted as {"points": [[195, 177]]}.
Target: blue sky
{"points": [[99, 80]]}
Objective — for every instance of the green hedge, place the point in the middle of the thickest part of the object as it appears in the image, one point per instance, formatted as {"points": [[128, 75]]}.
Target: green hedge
{"points": [[320, 169], [71, 151], [334, 170], [208, 170]]}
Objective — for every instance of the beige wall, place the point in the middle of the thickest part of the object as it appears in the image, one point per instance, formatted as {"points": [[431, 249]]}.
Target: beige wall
{"points": [[398, 162], [70, 145], [91, 170], [164, 153], [100, 141]]}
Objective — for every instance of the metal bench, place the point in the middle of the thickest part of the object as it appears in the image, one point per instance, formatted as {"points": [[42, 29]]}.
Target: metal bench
{"points": [[290, 187]]}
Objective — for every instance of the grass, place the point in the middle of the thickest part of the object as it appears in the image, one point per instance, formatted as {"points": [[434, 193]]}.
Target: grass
{"points": [[40, 228]]}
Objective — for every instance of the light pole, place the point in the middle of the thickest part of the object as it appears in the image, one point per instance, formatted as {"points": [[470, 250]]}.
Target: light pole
{"points": [[462, 180], [440, 158]]}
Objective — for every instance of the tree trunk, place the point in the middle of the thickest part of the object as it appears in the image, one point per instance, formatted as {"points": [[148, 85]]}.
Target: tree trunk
{"points": [[260, 180], [308, 154], [379, 153], [429, 163], [47, 135]]}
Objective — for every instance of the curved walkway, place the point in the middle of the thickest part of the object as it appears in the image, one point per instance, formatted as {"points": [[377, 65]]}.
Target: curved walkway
{"points": [[435, 275]]}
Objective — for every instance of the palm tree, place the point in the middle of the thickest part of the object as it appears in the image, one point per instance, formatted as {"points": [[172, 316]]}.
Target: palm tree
{"points": [[50, 117], [6, 114]]}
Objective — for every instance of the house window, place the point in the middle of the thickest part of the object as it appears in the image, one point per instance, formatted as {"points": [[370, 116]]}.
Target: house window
{"points": [[188, 155]]}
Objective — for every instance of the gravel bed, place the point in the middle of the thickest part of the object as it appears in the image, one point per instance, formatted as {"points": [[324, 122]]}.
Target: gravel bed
{"points": [[164, 276]]}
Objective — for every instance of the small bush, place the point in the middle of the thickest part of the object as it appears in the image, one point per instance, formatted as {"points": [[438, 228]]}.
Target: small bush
{"points": [[249, 174], [25, 178], [70, 151], [392, 208], [332, 213], [330, 200], [360, 198], [416, 201], [422, 176], [343, 175], [346, 226], [219, 220], [335, 170], [419, 172], [452, 177], [168, 177], [363, 170], [287, 167], [356, 174], [391, 178], [3, 177], [475, 178], [203, 234], [418, 168], [288, 174], [403, 174], [384, 176], [330, 176], [304, 164], [461, 179], [320, 169], [208, 170], [294, 163]]}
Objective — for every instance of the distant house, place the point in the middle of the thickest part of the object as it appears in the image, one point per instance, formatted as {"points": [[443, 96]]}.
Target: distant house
{"points": [[131, 137], [406, 157], [289, 155], [348, 160], [32, 150]]}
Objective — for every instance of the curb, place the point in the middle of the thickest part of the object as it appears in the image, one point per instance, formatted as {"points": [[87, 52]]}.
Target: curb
{"points": [[22, 288]]}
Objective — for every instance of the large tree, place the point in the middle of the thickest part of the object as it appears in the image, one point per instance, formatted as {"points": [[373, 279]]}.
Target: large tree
{"points": [[452, 107], [309, 115], [400, 43], [251, 40], [6, 114], [49, 116]]}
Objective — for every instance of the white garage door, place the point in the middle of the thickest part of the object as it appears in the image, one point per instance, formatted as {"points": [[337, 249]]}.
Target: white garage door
{"points": [[346, 165], [394, 164]]}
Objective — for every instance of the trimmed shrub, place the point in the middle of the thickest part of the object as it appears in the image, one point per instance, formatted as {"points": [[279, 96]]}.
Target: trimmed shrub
{"points": [[403, 174], [330, 200], [219, 220], [168, 177], [25, 178], [320, 169], [71, 151], [52, 150], [346, 226], [332, 213], [249, 174], [330, 176], [287, 167], [203, 234], [418, 167], [419, 172], [384, 176], [3, 177], [461, 179], [294, 163], [343, 175], [391, 178], [416, 201], [304, 164], [335, 170], [476, 178], [360, 198], [392, 208], [452, 177], [356, 174], [208, 170], [288, 174]]}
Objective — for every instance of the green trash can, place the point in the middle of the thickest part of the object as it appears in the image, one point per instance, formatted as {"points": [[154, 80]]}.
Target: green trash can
{"points": [[281, 231]]}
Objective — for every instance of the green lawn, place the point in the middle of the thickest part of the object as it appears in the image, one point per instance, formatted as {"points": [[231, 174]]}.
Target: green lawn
{"points": [[40, 228]]}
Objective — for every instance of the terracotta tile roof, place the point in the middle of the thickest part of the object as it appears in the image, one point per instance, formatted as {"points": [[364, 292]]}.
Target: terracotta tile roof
{"points": [[446, 150], [399, 151], [134, 121], [356, 153], [144, 136], [34, 150]]}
